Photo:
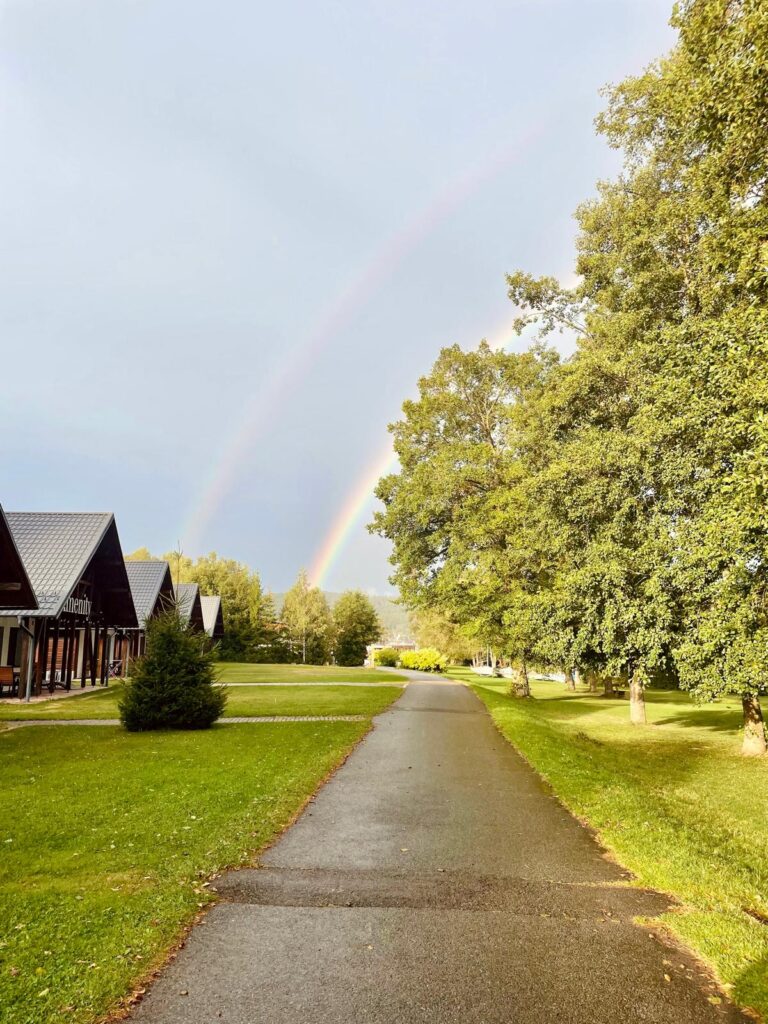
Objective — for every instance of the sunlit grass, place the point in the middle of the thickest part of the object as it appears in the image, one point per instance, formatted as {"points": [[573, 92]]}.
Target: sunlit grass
{"points": [[296, 699], [107, 838], [243, 672], [674, 801]]}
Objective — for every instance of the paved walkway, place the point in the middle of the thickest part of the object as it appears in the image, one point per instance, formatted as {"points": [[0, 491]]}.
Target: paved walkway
{"points": [[432, 880]]}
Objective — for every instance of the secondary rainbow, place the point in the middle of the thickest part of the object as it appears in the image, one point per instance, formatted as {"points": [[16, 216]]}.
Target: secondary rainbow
{"points": [[268, 400], [358, 500]]}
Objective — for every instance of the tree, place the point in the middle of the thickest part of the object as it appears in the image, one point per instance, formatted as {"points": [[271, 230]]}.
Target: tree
{"points": [[672, 306], [355, 626], [142, 555], [172, 686], [456, 511], [307, 623], [248, 613], [433, 629], [251, 631]]}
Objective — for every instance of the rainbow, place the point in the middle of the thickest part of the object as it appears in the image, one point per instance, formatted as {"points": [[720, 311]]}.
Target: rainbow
{"points": [[267, 400], [350, 513], [359, 496]]}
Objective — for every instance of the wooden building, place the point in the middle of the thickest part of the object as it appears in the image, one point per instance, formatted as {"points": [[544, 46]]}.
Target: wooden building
{"points": [[15, 590], [152, 593], [213, 620], [82, 597], [190, 608]]}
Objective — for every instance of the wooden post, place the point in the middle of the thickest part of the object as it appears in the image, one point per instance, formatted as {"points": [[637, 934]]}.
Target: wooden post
{"points": [[104, 654], [71, 655], [42, 649], [54, 652], [64, 656]]}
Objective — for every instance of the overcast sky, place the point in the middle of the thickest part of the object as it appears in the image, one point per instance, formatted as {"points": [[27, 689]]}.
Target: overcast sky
{"points": [[233, 235]]}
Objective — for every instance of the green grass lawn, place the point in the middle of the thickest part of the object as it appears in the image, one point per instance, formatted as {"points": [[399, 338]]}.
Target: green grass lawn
{"points": [[242, 672], [107, 839], [241, 700], [674, 801]]}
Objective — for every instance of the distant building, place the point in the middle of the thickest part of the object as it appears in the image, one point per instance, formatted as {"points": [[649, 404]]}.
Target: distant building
{"points": [[152, 593], [213, 619], [190, 608]]}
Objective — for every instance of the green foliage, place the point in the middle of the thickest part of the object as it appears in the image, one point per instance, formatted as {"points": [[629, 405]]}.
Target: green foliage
{"points": [[427, 659], [609, 512], [355, 626], [251, 631], [172, 686], [432, 629], [386, 656], [307, 623]]}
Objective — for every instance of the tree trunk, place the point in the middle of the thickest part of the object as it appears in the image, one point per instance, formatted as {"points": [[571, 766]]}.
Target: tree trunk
{"points": [[636, 701], [570, 682], [593, 681], [608, 688], [754, 729], [524, 690]]}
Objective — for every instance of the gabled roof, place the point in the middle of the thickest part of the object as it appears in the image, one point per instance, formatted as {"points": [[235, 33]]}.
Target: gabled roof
{"points": [[15, 588], [58, 548], [190, 608], [213, 620], [150, 583]]}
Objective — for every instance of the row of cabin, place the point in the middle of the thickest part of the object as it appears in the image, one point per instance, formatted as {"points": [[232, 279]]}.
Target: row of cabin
{"points": [[72, 608]]}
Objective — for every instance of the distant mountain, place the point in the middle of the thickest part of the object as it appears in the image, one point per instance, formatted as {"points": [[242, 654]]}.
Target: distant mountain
{"points": [[393, 617]]}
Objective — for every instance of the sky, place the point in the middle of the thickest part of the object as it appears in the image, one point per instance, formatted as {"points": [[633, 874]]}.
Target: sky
{"points": [[234, 234]]}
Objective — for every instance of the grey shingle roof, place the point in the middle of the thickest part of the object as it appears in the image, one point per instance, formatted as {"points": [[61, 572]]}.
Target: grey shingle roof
{"points": [[185, 595], [211, 610], [56, 548], [146, 580]]}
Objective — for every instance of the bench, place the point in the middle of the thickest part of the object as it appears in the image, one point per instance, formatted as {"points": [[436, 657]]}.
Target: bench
{"points": [[9, 677]]}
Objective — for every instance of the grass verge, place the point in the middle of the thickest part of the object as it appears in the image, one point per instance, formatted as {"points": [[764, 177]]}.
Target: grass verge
{"points": [[107, 839], [673, 801], [257, 700], [243, 672]]}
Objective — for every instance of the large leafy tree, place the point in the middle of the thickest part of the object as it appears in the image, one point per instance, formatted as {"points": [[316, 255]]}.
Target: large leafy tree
{"points": [[449, 510], [433, 629], [355, 626], [307, 623], [674, 266]]}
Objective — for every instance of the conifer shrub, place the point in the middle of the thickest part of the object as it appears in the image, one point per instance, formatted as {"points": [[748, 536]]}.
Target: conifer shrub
{"points": [[172, 686]]}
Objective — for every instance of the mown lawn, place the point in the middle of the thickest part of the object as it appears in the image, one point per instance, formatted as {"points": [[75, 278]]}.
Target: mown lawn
{"points": [[242, 672], [674, 801], [107, 839], [241, 700]]}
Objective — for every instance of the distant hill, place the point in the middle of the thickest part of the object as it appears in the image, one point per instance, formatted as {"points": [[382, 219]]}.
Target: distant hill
{"points": [[392, 616]]}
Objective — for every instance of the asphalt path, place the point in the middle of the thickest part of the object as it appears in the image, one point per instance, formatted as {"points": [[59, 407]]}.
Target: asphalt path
{"points": [[433, 879]]}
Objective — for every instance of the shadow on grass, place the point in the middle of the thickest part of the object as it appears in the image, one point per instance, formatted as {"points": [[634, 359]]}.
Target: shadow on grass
{"points": [[750, 987], [727, 720]]}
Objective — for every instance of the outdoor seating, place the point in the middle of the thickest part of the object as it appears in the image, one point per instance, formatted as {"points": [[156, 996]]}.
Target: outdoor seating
{"points": [[9, 677]]}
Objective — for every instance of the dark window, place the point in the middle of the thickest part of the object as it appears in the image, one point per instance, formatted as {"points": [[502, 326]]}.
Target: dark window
{"points": [[14, 648]]}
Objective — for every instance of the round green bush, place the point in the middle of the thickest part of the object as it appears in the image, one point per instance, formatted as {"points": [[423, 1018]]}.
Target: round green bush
{"points": [[387, 656], [427, 659]]}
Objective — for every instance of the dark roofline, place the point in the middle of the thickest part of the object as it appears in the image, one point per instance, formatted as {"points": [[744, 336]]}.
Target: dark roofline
{"points": [[26, 594]]}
